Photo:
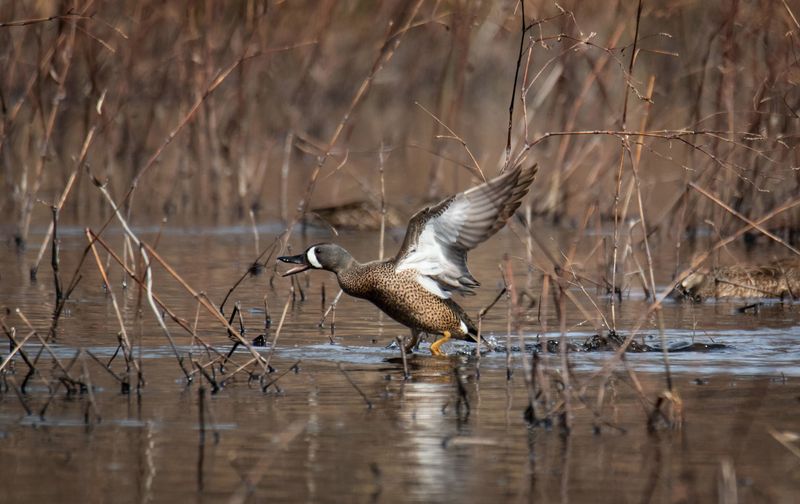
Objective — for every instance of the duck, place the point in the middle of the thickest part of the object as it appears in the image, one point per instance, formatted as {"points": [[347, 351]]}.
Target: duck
{"points": [[362, 215], [416, 286], [776, 279]]}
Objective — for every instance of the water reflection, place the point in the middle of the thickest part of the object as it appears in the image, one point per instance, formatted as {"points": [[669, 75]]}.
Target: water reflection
{"points": [[315, 440]]}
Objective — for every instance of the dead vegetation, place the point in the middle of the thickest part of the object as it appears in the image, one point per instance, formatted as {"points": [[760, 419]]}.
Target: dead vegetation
{"points": [[656, 123]]}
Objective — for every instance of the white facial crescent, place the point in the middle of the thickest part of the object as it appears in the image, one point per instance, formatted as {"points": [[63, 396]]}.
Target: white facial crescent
{"points": [[312, 258]]}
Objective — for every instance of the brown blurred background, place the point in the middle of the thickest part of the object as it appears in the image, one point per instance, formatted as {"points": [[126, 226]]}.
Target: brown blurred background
{"points": [[131, 71]]}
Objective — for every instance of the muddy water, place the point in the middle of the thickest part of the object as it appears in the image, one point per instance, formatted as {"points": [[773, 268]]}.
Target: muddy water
{"points": [[315, 438]]}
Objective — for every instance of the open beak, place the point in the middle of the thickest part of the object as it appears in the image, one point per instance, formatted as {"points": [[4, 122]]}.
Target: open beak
{"points": [[297, 259]]}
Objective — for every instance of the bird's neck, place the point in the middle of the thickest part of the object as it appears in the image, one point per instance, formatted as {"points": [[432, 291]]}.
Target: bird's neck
{"points": [[353, 278]]}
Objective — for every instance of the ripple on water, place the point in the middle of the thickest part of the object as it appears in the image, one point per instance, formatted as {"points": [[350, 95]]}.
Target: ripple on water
{"points": [[763, 351]]}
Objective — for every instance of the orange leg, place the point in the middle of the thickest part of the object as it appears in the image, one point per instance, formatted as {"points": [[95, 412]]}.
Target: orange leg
{"points": [[436, 346]]}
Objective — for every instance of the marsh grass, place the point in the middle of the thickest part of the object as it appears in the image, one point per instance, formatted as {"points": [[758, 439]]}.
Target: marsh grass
{"points": [[128, 113]]}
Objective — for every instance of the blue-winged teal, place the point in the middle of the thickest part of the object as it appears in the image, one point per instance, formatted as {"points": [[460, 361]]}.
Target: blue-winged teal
{"points": [[778, 279], [415, 287]]}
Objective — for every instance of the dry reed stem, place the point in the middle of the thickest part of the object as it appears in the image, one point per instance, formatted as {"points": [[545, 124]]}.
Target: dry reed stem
{"points": [[76, 276], [30, 196], [526, 84], [331, 308], [287, 157], [679, 135], [401, 344], [207, 304], [618, 186], [615, 252], [17, 348], [785, 438], [555, 193], [632, 62], [567, 415], [381, 161], [635, 168], [57, 206], [215, 83], [127, 348], [553, 271], [736, 214], [384, 56], [515, 306], [148, 276], [523, 98], [252, 216], [10, 333], [566, 265], [514, 87], [274, 344], [123, 381], [791, 14], [235, 372], [202, 370], [71, 389], [69, 15], [192, 331], [475, 169], [509, 371], [54, 257], [45, 345], [92, 403], [255, 268], [608, 365], [479, 338], [293, 367], [542, 378]]}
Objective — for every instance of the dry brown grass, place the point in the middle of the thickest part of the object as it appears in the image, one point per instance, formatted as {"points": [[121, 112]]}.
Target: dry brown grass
{"points": [[194, 100]]}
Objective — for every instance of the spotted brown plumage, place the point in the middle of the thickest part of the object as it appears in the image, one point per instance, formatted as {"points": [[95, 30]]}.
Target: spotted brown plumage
{"points": [[401, 297], [415, 287]]}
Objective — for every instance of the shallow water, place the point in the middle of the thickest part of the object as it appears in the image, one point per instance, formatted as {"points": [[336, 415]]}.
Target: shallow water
{"points": [[313, 437]]}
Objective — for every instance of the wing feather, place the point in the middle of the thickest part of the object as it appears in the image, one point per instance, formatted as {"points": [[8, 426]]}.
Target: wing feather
{"points": [[439, 237]]}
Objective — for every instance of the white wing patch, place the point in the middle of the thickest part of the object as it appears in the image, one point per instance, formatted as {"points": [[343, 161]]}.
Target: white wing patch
{"points": [[427, 258], [463, 326], [432, 286], [312, 258]]}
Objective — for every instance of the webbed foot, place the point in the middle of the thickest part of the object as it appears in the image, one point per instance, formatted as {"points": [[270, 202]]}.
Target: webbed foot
{"points": [[436, 346]]}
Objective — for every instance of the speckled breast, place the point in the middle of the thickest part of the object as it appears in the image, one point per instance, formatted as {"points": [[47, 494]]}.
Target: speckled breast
{"points": [[402, 298]]}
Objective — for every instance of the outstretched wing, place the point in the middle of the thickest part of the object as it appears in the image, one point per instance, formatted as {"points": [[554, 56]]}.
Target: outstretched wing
{"points": [[439, 237]]}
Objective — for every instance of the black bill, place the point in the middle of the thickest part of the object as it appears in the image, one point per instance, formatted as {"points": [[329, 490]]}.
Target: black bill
{"points": [[297, 259]]}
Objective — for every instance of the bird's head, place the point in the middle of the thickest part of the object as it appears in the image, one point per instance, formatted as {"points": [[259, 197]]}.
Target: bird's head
{"points": [[326, 256]]}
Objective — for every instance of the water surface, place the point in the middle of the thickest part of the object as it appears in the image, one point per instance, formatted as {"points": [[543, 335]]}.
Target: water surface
{"points": [[313, 437]]}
